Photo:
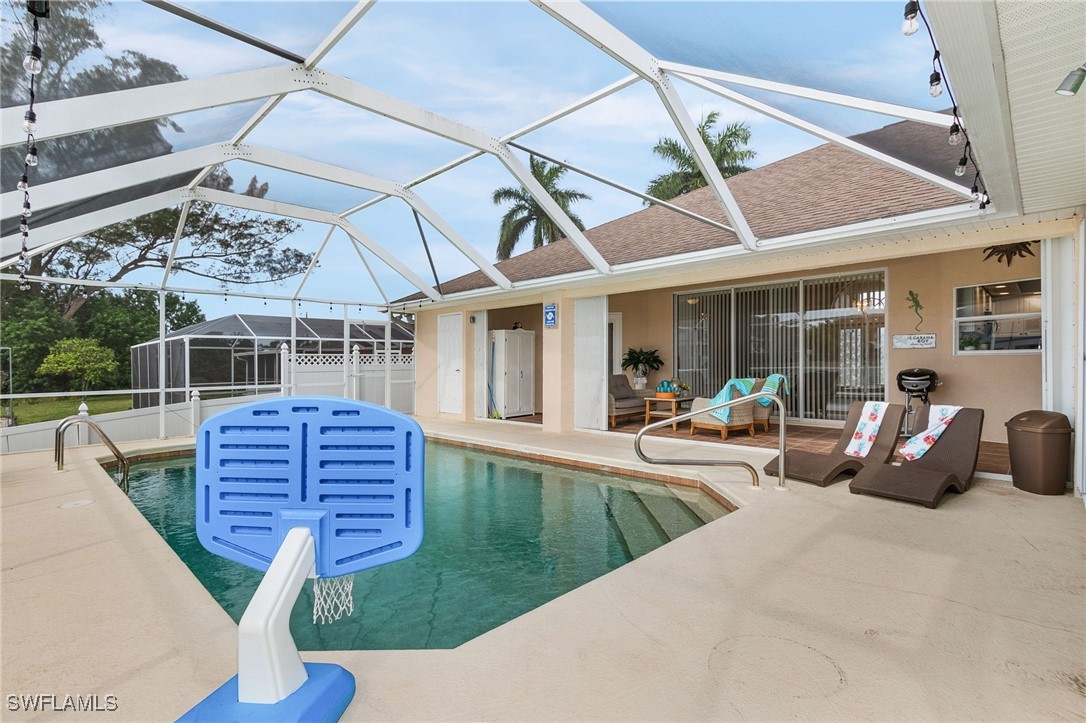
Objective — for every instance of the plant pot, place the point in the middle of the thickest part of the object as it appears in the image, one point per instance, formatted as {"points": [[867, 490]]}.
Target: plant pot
{"points": [[639, 383]]}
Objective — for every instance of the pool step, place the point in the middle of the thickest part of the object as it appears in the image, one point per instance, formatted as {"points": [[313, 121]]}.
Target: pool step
{"points": [[637, 529], [704, 506], [673, 515]]}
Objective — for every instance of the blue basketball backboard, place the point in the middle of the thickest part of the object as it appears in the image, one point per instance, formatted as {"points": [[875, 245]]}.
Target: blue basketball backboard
{"points": [[350, 471]]}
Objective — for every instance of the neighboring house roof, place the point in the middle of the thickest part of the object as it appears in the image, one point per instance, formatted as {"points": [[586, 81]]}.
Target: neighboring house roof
{"points": [[248, 326], [822, 188]]}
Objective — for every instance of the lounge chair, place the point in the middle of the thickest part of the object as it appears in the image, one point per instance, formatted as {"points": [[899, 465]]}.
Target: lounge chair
{"points": [[823, 469], [949, 464], [741, 417], [622, 400]]}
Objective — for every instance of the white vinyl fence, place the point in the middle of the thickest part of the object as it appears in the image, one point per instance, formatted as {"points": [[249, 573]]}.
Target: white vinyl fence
{"points": [[182, 420], [369, 378]]}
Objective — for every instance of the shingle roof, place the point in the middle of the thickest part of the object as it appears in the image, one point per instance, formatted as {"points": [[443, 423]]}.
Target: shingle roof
{"points": [[822, 188]]}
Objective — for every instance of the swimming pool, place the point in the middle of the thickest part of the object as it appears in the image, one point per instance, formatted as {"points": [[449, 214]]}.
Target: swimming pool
{"points": [[503, 536]]}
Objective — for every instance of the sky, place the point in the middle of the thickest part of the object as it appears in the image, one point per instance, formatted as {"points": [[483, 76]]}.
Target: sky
{"points": [[498, 66]]}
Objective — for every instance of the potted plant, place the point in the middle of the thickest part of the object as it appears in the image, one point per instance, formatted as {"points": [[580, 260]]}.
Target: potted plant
{"points": [[641, 361], [969, 341]]}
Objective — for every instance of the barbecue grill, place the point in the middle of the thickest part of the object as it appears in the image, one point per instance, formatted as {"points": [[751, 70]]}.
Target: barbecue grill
{"points": [[916, 383]]}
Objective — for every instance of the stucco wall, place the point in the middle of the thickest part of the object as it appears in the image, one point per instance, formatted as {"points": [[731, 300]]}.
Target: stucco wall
{"points": [[1000, 384], [426, 364]]}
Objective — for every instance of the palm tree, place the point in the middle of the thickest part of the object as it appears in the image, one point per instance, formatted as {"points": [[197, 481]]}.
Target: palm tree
{"points": [[526, 211], [728, 149]]}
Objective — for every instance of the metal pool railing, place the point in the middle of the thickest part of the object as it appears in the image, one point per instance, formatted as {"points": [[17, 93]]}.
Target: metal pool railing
{"points": [[58, 445], [781, 434]]}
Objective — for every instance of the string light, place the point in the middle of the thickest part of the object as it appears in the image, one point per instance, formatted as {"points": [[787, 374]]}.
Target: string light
{"points": [[936, 84], [955, 136], [32, 63], [911, 24]]}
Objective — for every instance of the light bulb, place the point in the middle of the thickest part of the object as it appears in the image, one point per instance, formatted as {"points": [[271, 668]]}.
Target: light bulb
{"points": [[30, 121], [955, 136], [911, 24], [32, 156], [974, 192], [936, 89], [23, 254], [24, 227], [32, 60], [960, 170], [23, 184], [26, 209]]}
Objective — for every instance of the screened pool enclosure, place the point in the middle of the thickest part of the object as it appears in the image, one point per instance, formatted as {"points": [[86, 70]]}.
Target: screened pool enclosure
{"points": [[246, 354]]}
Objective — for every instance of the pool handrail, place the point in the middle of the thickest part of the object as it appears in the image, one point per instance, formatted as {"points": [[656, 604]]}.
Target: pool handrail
{"points": [[58, 445], [781, 434]]}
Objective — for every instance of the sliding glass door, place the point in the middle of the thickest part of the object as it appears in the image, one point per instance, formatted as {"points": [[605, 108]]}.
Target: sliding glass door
{"points": [[827, 335]]}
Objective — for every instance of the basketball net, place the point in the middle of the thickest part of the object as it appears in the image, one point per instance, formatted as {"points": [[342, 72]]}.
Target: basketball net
{"points": [[332, 598]]}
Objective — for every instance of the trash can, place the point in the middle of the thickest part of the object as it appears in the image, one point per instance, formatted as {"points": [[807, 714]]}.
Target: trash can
{"points": [[1040, 448]]}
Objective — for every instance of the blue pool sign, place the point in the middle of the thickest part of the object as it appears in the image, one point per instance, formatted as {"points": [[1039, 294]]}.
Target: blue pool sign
{"points": [[550, 316]]}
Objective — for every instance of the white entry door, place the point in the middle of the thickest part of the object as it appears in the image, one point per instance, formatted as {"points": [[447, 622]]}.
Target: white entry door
{"points": [[450, 363]]}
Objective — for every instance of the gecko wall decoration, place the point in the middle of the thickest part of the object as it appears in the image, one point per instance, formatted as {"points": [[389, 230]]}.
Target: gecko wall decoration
{"points": [[914, 304]]}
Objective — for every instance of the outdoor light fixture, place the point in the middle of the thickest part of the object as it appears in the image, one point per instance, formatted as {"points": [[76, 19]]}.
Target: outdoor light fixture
{"points": [[911, 24], [955, 136], [936, 88], [30, 121], [1073, 81], [26, 209], [32, 156], [23, 184], [692, 302], [24, 227], [962, 163], [38, 8], [32, 60]]}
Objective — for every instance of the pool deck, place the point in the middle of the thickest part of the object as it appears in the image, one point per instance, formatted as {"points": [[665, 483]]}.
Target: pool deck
{"points": [[809, 604]]}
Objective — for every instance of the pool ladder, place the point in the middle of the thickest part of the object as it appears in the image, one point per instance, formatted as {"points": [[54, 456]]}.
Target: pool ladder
{"points": [[58, 444], [720, 462]]}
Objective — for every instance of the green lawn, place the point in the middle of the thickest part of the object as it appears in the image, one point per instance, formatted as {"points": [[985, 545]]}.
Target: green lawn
{"points": [[29, 411]]}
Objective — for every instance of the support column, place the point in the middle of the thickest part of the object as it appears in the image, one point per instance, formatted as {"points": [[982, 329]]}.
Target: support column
{"points": [[162, 365], [557, 369]]}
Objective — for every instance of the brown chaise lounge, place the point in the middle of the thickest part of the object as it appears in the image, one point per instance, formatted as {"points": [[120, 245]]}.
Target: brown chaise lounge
{"points": [[949, 464], [823, 469]]}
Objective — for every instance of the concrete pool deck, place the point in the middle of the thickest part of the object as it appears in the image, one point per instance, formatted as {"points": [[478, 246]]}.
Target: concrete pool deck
{"points": [[807, 604]]}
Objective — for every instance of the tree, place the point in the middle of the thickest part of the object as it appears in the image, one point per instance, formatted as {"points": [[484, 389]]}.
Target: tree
{"points": [[79, 359], [119, 321], [30, 326], [526, 212], [228, 245], [727, 148]]}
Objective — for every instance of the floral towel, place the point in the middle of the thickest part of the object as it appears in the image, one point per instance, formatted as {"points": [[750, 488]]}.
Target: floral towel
{"points": [[743, 386], [775, 384], [939, 418], [867, 429]]}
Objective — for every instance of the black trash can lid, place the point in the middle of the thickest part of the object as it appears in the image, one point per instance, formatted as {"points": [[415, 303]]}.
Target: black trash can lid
{"points": [[1040, 421]]}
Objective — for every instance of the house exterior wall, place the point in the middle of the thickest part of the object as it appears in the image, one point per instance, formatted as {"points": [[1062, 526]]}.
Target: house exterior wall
{"points": [[1001, 384]]}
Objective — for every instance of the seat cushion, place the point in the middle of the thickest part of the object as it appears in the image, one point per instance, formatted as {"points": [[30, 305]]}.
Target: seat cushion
{"points": [[619, 387], [629, 403]]}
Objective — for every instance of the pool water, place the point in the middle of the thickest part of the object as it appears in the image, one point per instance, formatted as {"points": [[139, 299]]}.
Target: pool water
{"points": [[503, 536]]}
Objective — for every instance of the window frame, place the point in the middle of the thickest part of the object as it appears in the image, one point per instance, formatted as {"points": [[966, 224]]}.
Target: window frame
{"points": [[957, 321]]}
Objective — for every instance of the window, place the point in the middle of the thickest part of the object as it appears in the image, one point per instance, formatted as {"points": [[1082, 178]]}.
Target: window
{"points": [[1003, 317]]}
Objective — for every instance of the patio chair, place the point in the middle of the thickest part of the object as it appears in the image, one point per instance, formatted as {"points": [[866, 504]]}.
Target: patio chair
{"points": [[948, 464], [622, 400], [741, 417], [824, 469]]}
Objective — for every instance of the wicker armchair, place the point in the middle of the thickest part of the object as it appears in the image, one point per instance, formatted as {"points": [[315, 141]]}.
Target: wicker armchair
{"points": [[761, 414], [741, 417]]}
